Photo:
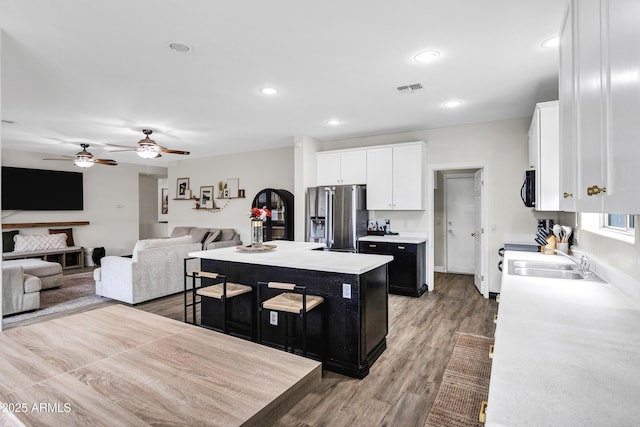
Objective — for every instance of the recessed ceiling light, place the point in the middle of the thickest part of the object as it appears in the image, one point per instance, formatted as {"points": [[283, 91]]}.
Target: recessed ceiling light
{"points": [[452, 103], [269, 91], [334, 122], [180, 47], [551, 42], [426, 56]]}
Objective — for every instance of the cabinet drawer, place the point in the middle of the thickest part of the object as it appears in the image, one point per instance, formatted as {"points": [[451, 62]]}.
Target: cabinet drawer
{"points": [[374, 247], [403, 248]]}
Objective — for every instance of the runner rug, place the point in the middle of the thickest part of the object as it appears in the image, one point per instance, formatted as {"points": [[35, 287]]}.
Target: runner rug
{"points": [[465, 384]]}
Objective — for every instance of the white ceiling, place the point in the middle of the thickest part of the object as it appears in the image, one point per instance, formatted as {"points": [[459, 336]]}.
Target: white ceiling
{"points": [[97, 72]]}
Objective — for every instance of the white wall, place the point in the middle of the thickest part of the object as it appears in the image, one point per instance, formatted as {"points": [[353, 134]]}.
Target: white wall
{"points": [[620, 255], [111, 202], [501, 145], [256, 170], [149, 207], [305, 177]]}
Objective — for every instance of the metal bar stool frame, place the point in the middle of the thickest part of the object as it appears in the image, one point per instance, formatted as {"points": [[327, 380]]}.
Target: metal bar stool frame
{"points": [[292, 288]]}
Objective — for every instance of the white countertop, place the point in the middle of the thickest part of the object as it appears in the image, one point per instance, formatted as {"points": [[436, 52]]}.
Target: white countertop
{"points": [[300, 255], [391, 238], [567, 352]]}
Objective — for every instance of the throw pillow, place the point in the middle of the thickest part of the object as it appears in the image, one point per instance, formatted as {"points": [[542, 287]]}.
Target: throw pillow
{"points": [[198, 234], [213, 236], [67, 231], [180, 231], [228, 234], [39, 242], [7, 240]]}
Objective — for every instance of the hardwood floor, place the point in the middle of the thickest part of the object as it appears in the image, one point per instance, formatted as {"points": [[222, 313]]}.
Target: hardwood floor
{"points": [[404, 381]]}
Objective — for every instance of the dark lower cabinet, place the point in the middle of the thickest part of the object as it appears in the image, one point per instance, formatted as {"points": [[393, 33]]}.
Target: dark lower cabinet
{"points": [[407, 270]]}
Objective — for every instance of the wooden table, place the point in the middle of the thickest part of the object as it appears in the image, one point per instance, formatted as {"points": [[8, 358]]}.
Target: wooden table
{"points": [[122, 366]]}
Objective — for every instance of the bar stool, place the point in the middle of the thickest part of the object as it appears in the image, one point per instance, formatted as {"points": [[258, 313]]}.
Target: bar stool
{"points": [[295, 301], [222, 292]]}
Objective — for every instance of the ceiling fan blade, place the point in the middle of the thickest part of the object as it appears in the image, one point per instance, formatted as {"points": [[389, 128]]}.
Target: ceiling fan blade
{"points": [[66, 160], [107, 162], [168, 150], [125, 147]]}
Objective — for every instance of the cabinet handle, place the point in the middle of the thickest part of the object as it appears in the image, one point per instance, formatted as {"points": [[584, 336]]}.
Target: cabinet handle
{"points": [[401, 247], [593, 190], [482, 417], [567, 195], [372, 246], [491, 351], [495, 318]]}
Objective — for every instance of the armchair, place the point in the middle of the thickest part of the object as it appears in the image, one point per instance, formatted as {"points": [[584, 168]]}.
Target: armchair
{"points": [[20, 291]]}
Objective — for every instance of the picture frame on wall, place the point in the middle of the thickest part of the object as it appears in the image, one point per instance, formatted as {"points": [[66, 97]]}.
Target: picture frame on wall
{"points": [[164, 201], [182, 188], [206, 197], [233, 184]]}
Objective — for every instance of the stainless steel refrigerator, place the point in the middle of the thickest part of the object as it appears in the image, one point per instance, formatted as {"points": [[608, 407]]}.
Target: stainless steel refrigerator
{"points": [[336, 215]]}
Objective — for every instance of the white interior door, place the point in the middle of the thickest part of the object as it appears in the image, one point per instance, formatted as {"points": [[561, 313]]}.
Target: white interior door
{"points": [[477, 230], [460, 206]]}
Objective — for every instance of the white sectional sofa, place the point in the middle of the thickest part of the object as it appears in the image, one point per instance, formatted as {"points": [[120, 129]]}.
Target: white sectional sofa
{"points": [[155, 269]]}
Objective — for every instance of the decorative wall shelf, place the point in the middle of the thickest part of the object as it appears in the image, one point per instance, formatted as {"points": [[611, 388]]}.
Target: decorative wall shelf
{"points": [[45, 224]]}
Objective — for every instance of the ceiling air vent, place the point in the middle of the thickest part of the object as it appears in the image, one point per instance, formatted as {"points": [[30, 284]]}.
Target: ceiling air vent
{"points": [[409, 88]]}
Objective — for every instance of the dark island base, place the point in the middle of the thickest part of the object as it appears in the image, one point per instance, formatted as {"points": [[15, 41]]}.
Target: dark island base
{"points": [[408, 292], [347, 334]]}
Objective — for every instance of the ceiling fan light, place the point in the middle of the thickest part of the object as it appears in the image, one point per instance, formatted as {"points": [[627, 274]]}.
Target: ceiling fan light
{"points": [[83, 162], [148, 154]]}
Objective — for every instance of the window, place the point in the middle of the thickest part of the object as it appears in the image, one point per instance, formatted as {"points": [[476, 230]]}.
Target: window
{"points": [[619, 222], [614, 226]]}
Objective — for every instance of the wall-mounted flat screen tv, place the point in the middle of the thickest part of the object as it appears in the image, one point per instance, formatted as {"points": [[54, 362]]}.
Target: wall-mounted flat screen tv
{"points": [[41, 190]]}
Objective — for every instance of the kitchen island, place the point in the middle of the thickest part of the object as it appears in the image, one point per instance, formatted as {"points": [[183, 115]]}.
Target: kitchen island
{"points": [[354, 287]]}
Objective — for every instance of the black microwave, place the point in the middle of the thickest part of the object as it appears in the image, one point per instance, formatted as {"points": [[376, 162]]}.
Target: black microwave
{"points": [[528, 190]]}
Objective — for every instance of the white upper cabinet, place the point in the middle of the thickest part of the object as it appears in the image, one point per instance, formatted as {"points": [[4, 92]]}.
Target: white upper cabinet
{"points": [[621, 62], [567, 113], [544, 135], [395, 177], [341, 167], [602, 112]]}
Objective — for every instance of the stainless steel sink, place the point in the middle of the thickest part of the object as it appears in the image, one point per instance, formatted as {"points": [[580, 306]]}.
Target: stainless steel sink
{"points": [[540, 264], [540, 272]]}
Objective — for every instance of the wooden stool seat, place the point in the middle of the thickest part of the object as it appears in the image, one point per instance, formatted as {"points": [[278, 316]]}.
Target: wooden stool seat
{"points": [[217, 291], [291, 303]]}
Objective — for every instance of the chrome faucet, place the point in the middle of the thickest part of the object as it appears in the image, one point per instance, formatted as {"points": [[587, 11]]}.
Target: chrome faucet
{"points": [[585, 265]]}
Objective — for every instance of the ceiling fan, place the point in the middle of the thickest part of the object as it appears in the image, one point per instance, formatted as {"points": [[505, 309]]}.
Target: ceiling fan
{"points": [[85, 159], [147, 148]]}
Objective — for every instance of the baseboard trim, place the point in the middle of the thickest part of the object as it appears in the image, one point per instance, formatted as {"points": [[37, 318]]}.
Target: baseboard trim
{"points": [[439, 269]]}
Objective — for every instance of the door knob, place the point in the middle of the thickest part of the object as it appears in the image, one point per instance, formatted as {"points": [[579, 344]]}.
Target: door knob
{"points": [[473, 234], [567, 195]]}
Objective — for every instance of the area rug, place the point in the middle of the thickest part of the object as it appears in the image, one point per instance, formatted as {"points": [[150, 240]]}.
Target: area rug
{"points": [[74, 286], [77, 290], [465, 384]]}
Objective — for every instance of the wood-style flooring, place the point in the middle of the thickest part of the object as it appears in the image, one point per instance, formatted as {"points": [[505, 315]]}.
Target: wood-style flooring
{"points": [[404, 381]]}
